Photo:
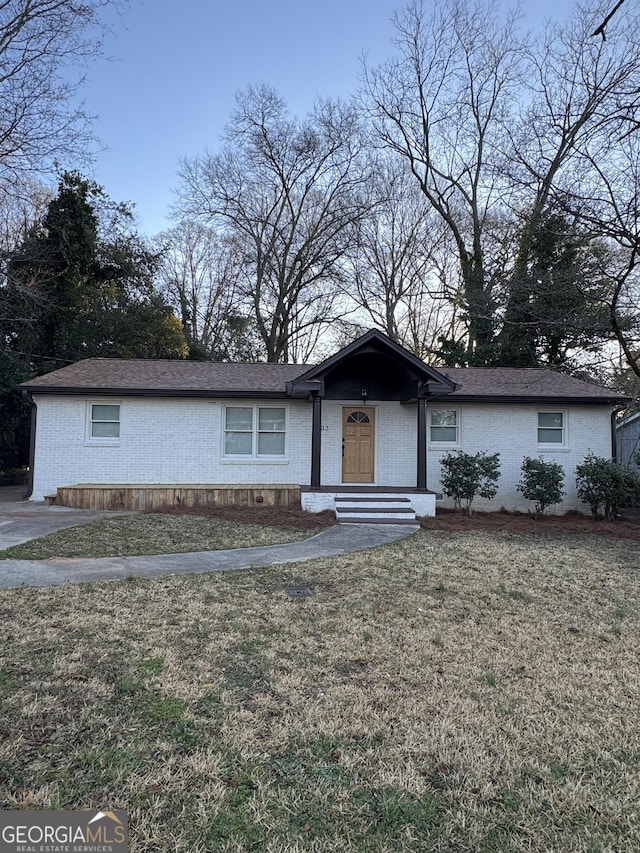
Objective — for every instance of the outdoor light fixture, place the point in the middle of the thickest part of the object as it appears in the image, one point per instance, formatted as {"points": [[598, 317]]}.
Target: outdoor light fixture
{"points": [[364, 393]]}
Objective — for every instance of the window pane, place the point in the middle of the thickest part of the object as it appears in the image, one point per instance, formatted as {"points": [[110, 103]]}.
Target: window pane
{"points": [[550, 436], [105, 413], [443, 434], [443, 417], [550, 420], [238, 443], [271, 444], [105, 430], [271, 420], [239, 418]]}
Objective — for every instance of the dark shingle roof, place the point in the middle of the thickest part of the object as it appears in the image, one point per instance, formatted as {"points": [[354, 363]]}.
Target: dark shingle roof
{"points": [[217, 379], [511, 382], [199, 377]]}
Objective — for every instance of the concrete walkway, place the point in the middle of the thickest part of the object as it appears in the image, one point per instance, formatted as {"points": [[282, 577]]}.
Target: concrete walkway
{"points": [[20, 522]]}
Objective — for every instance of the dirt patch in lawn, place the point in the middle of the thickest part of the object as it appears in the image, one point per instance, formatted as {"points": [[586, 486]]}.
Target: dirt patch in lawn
{"points": [[291, 518], [453, 521]]}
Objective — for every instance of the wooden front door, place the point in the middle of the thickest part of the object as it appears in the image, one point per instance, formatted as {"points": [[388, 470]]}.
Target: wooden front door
{"points": [[358, 432]]}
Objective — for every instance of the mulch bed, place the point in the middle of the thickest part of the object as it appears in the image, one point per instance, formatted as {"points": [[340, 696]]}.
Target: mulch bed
{"points": [[626, 527], [271, 516], [448, 520]]}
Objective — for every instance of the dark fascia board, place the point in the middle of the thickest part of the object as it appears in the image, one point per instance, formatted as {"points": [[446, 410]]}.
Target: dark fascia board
{"points": [[539, 400], [360, 345], [282, 395], [152, 392]]}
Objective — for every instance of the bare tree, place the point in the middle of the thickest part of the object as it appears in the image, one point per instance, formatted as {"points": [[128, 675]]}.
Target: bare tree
{"points": [[395, 270], [288, 192], [20, 215], [20, 212], [44, 46], [580, 96], [609, 206], [200, 273], [442, 105], [495, 126]]}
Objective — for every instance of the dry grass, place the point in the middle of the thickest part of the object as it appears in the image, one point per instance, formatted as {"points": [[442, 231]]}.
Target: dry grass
{"points": [[152, 533], [289, 517], [450, 692]]}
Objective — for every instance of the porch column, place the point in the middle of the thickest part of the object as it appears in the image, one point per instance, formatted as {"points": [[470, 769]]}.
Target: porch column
{"points": [[316, 444], [422, 443]]}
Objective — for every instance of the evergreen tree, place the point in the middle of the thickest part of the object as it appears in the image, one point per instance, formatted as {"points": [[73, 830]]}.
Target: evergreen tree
{"points": [[81, 285]]}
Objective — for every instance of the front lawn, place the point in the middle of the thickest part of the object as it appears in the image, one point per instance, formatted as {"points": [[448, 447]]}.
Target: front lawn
{"points": [[151, 533], [449, 692]]}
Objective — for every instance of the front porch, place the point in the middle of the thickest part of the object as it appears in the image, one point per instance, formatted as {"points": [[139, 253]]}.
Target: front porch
{"points": [[382, 505], [369, 422]]}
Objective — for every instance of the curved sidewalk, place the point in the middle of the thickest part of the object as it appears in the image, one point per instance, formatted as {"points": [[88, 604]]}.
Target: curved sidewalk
{"points": [[341, 539]]}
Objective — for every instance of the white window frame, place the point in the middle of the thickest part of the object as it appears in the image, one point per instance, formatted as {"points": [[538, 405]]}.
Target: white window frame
{"points": [[553, 445], [254, 456], [435, 443], [102, 441]]}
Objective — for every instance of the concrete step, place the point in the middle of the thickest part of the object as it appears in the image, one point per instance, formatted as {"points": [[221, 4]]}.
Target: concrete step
{"points": [[374, 509], [407, 522], [400, 510], [373, 499]]}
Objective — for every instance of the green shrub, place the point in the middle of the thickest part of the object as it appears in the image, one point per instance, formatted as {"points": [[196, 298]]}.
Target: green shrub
{"points": [[541, 482], [14, 476], [606, 485], [464, 476]]}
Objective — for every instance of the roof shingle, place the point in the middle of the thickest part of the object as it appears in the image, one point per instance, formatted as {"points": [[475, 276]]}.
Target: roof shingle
{"points": [[217, 379], [522, 382], [168, 375]]}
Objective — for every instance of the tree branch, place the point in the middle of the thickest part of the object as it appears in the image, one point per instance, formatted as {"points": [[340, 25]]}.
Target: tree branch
{"points": [[600, 30]]}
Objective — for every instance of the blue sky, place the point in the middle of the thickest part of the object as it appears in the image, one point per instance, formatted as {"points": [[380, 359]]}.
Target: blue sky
{"points": [[175, 67]]}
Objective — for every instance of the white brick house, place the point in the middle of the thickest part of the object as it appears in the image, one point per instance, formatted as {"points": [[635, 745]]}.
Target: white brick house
{"points": [[371, 421]]}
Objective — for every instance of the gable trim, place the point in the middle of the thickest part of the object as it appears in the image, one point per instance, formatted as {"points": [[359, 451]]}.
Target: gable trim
{"points": [[434, 383]]}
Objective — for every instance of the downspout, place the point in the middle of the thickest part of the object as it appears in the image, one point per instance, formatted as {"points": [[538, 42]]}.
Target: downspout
{"points": [[614, 435], [32, 441]]}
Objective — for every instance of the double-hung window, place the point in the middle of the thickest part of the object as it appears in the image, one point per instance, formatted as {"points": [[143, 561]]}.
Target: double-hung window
{"points": [[254, 431], [103, 422], [551, 428], [443, 426]]}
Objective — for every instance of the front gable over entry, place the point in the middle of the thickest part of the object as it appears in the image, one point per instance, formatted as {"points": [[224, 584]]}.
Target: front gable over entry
{"points": [[372, 368]]}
